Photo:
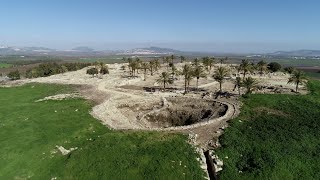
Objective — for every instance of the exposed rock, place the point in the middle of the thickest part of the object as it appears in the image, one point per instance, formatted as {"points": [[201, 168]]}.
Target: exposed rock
{"points": [[59, 97], [65, 151]]}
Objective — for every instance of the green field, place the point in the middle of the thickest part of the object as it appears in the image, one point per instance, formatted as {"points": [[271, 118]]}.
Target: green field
{"points": [[5, 65], [30, 131], [275, 137], [313, 75]]}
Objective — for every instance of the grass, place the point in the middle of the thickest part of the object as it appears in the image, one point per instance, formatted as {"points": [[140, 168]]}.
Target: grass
{"points": [[30, 131], [313, 75], [275, 137], [5, 65]]}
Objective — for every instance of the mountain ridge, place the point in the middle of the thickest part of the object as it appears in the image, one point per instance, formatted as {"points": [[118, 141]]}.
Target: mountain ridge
{"points": [[152, 50]]}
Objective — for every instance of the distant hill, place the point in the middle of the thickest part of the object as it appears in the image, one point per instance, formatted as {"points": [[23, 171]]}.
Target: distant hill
{"points": [[153, 51], [297, 53], [150, 51], [83, 49]]}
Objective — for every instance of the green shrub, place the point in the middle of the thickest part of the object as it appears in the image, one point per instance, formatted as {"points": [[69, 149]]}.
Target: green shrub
{"points": [[48, 69], [274, 66], [14, 75], [92, 71], [290, 70]]}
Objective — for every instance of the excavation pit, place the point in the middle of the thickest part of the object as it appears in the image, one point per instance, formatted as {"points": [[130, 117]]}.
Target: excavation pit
{"points": [[182, 111]]}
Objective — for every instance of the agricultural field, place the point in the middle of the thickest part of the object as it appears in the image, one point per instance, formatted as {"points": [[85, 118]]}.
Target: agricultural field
{"points": [[275, 137], [30, 140], [5, 65]]}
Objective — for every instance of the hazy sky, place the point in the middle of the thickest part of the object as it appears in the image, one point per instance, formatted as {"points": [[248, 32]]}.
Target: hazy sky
{"points": [[202, 25]]}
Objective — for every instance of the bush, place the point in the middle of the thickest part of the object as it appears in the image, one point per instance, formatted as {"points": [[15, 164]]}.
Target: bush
{"points": [[290, 70], [274, 66], [14, 75], [48, 69], [104, 70], [92, 71]]}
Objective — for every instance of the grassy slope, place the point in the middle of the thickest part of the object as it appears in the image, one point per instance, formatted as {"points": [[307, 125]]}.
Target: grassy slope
{"points": [[29, 132], [275, 137]]}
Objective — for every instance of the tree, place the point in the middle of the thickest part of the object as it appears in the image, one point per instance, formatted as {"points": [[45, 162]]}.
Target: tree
{"points": [[182, 59], [164, 79], [262, 66], [220, 74], [223, 60], [157, 64], [238, 84], [133, 66], [64, 69], [274, 66], [246, 67], [187, 73], [104, 69], [208, 63], [198, 72], [152, 67], [290, 70], [130, 61], [173, 71], [211, 62], [166, 60], [173, 57], [138, 64], [205, 62], [92, 71], [249, 83], [145, 66], [297, 78], [14, 75], [196, 62]]}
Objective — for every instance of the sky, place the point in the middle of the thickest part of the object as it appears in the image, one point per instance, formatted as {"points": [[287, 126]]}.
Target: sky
{"points": [[191, 25]]}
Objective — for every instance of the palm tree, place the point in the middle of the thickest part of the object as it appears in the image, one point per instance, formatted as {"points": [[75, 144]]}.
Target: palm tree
{"points": [[138, 64], [220, 74], [187, 73], [208, 63], [297, 78], [172, 58], [238, 84], [152, 66], [130, 61], [198, 72], [164, 79], [133, 67], [196, 62], [167, 61], [182, 59], [262, 67], [145, 66], [173, 71], [223, 60], [249, 83], [205, 62], [157, 64], [246, 67]]}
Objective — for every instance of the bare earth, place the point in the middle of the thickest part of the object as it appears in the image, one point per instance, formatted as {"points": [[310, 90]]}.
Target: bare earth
{"points": [[122, 103]]}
